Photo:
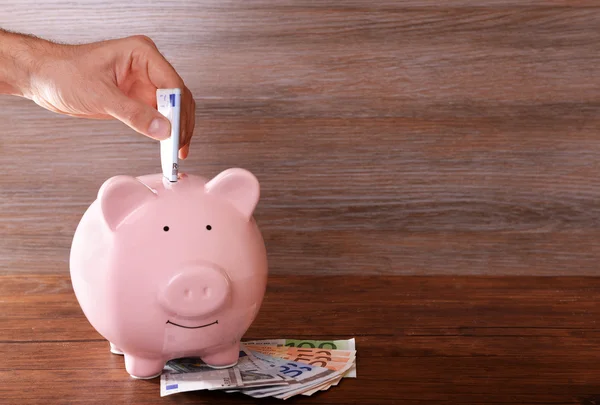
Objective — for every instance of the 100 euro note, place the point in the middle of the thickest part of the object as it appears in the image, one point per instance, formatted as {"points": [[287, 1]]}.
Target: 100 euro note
{"points": [[349, 344]]}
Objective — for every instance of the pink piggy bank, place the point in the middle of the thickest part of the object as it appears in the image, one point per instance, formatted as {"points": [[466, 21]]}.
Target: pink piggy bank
{"points": [[167, 270]]}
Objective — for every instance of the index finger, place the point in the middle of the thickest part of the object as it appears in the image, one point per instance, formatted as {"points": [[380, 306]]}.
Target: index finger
{"points": [[163, 76]]}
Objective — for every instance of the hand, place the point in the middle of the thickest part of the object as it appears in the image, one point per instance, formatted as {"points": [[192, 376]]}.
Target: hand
{"points": [[109, 79]]}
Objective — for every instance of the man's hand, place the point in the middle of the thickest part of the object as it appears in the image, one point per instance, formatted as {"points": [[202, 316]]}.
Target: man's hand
{"points": [[103, 80]]}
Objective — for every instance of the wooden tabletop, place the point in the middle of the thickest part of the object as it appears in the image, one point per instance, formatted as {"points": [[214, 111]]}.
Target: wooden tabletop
{"points": [[420, 340]]}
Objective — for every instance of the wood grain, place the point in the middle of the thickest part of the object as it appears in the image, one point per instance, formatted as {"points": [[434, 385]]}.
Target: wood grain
{"points": [[463, 340], [389, 137]]}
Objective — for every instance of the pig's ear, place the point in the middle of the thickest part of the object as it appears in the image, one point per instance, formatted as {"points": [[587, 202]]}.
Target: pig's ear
{"points": [[120, 196], [239, 187]]}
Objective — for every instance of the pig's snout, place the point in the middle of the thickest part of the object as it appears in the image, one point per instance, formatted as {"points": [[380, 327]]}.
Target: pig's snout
{"points": [[195, 292]]}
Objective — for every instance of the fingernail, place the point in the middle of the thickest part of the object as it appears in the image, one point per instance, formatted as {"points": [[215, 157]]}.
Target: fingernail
{"points": [[183, 152], [159, 129]]}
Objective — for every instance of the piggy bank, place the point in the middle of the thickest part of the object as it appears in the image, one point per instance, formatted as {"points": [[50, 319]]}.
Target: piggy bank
{"points": [[167, 270]]}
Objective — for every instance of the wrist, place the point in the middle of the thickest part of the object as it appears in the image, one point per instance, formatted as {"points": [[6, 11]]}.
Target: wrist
{"points": [[19, 57]]}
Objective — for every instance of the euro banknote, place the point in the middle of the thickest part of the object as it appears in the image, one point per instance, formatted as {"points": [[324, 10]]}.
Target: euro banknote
{"points": [[332, 359], [191, 374], [280, 368], [349, 344]]}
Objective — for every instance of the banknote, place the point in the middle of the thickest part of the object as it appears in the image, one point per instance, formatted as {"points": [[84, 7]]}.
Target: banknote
{"points": [[322, 384], [301, 373], [191, 374], [320, 344], [280, 368], [254, 372], [305, 377], [337, 360], [314, 357], [267, 364], [172, 383], [348, 344]]}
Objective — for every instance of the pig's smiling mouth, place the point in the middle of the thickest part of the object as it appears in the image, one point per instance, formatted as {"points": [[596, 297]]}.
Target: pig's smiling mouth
{"points": [[194, 327]]}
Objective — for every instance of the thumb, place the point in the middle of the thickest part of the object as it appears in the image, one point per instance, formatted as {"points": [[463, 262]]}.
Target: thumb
{"points": [[138, 116]]}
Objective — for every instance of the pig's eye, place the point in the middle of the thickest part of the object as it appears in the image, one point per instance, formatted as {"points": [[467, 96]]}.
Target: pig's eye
{"points": [[166, 229], [208, 227]]}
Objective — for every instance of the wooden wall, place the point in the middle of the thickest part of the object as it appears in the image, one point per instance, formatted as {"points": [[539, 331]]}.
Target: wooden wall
{"points": [[398, 137]]}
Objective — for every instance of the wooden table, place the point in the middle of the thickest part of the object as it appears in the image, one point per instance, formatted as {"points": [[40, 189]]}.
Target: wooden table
{"points": [[420, 340]]}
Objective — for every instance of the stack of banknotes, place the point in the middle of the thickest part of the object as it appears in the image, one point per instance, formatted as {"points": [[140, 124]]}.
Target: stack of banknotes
{"points": [[280, 368]]}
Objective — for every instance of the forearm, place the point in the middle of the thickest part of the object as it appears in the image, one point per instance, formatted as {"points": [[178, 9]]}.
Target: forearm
{"points": [[19, 55]]}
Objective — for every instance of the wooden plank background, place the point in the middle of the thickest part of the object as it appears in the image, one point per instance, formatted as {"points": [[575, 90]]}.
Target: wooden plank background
{"points": [[389, 137]]}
